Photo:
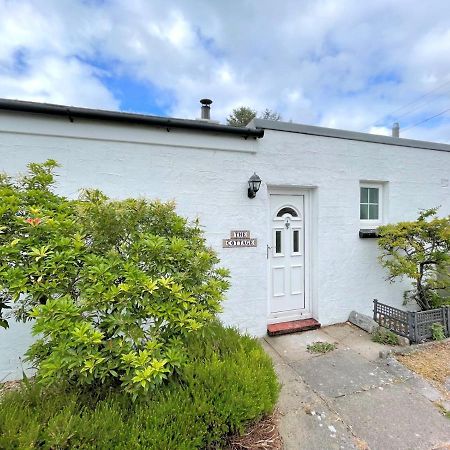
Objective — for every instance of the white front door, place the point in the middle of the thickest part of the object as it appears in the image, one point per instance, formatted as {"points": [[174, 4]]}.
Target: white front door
{"points": [[288, 290]]}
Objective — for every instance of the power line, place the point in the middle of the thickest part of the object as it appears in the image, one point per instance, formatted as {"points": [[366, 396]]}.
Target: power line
{"points": [[415, 109], [426, 120], [419, 98], [428, 93]]}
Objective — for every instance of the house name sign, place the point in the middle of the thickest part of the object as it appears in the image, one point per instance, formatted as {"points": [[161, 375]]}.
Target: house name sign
{"points": [[240, 238]]}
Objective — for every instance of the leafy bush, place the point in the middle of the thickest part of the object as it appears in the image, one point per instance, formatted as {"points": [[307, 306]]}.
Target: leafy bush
{"points": [[320, 347], [437, 331], [115, 287], [419, 250], [385, 336], [39, 241], [227, 383]]}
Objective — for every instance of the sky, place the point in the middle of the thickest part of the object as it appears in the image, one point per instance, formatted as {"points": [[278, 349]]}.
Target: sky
{"points": [[353, 64]]}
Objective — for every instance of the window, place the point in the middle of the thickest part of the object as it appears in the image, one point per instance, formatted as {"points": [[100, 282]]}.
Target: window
{"points": [[287, 210], [370, 204]]}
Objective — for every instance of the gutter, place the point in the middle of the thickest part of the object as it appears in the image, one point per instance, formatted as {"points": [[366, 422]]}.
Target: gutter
{"points": [[72, 112]]}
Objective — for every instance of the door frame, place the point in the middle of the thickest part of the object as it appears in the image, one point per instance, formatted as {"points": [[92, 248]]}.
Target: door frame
{"points": [[307, 221]]}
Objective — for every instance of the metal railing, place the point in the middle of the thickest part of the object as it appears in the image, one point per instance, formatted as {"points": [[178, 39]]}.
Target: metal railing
{"points": [[415, 325]]}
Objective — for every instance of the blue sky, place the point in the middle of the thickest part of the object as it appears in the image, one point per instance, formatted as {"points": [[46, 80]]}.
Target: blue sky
{"points": [[339, 63]]}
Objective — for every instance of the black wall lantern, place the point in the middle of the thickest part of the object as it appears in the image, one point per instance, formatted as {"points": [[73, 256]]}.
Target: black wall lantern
{"points": [[254, 184]]}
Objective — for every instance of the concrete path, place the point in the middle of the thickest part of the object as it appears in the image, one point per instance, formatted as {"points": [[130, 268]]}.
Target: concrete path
{"points": [[351, 399]]}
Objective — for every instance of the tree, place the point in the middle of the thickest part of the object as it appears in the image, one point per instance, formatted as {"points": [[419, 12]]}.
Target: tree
{"points": [[114, 287], [242, 116], [419, 250], [268, 114]]}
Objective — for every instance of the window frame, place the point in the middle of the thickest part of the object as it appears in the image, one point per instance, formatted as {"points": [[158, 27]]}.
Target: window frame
{"points": [[372, 223]]}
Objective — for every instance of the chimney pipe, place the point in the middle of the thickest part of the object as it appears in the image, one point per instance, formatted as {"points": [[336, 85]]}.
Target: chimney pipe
{"points": [[396, 130], [206, 109]]}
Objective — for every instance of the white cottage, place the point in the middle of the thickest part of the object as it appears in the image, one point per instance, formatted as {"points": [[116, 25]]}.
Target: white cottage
{"points": [[301, 247]]}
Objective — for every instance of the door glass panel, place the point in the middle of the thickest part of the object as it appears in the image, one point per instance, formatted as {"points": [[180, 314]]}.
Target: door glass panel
{"points": [[296, 241], [287, 210], [278, 241]]}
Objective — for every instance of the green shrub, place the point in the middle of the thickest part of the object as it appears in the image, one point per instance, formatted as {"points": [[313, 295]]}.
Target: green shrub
{"points": [[320, 347], [39, 241], [419, 250], [115, 287], [385, 336], [437, 331], [227, 382]]}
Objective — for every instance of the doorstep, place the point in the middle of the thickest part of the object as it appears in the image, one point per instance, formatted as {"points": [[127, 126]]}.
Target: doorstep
{"points": [[295, 326]]}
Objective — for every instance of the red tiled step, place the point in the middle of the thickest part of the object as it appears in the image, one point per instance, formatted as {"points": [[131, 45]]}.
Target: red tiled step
{"points": [[295, 326]]}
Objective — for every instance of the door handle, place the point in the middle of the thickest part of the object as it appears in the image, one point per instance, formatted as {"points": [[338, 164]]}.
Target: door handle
{"points": [[267, 251]]}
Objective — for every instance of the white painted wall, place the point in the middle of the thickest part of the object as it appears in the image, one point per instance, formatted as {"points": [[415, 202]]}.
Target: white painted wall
{"points": [[347, 273], [207, 176]]}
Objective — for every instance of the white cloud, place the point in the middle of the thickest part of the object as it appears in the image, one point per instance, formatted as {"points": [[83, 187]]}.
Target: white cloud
{"points": [[340, 63], [60, 81], [383, 131]]}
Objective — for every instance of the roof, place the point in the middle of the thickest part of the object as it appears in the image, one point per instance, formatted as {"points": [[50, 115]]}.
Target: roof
{"points": [[72, 112], [261, 124], [254, 129]]}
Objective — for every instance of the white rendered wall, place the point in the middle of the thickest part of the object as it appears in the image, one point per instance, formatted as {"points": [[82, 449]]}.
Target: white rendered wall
{"points": [[208, 181], [347, 274], [207, 176]]}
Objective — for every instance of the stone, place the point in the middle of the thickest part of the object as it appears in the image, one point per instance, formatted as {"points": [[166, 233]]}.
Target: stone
{"points": [[384, 354], [403, 341], [362, 321]]}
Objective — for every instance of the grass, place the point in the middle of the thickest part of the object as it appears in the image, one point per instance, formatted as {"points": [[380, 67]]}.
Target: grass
{"points": [[385, 336], [228, 384], [438, 333], [320, 347]]}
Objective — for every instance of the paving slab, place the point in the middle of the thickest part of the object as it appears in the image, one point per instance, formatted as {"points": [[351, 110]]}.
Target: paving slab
{"points": [[358, 340], [411, 379], [349, 398], [306, 421], [395, 417], [342, 372], [364, 346], [394, 367], [293, 347], [340, 331]]}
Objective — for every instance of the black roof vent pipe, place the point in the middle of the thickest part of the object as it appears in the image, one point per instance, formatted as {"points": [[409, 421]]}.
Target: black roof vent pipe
{"points": [[206, 108]]}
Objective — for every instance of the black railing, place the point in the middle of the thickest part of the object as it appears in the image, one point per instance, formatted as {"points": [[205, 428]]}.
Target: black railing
{"points": [[415, 325]]}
